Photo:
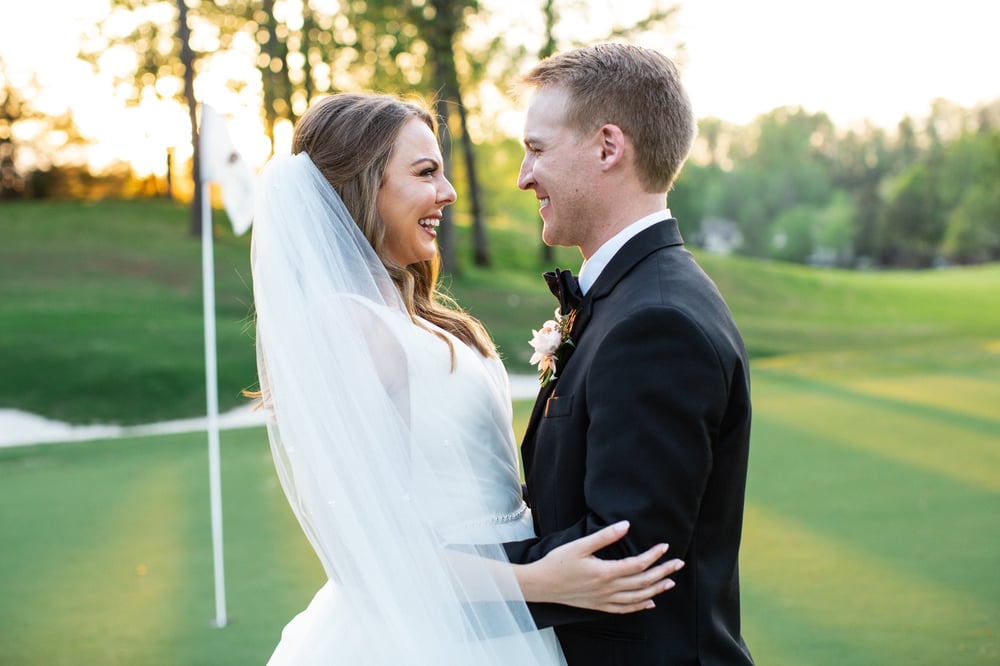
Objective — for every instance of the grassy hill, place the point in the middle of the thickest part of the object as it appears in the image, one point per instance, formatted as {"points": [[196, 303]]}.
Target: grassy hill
{"points": [[101, 309]]}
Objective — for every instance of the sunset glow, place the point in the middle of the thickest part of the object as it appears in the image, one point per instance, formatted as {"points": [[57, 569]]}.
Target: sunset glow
{"points": [[877, 60]]}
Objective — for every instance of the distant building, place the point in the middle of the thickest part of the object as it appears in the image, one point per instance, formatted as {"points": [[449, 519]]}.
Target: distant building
{"points": [[719, 236]]}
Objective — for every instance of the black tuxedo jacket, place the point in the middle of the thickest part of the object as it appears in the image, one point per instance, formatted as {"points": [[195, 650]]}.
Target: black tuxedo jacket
{"points": [[649, 421]]}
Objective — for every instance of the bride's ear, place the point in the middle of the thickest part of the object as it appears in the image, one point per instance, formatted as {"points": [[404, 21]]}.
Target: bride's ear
{"points": [[612, 143]]}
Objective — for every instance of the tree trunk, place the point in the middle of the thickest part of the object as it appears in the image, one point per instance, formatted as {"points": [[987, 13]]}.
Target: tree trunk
{"points": [[480, 241], [269, 48], [169, 194], [446, 232], [440, 34], [187, 60], [308, 24]]}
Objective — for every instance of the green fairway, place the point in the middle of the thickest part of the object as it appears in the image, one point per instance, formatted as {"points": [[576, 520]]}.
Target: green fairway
{"points": [[872, 532], [107, 553], [873, 521]]}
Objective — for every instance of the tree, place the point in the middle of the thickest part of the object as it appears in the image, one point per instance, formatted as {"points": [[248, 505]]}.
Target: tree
{"points": [[834, 232], [187, 61], [441, 22], [804, 192], [40, 153], [11, 110], [862, 159], [910, 232], [780, 161], [155, 36], [970, 190], [416, 47], [973, 231]]}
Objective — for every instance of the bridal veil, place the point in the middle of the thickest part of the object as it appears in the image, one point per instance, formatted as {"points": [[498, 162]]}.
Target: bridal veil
{"points": [[333, 345]]}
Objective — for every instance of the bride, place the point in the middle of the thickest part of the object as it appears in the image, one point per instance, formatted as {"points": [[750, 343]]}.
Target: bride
{"points": [[390, 416]]}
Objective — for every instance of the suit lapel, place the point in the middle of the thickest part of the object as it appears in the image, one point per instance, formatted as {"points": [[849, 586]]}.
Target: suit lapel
{"points": [[647, 241], [662, 234], [528, 443]]}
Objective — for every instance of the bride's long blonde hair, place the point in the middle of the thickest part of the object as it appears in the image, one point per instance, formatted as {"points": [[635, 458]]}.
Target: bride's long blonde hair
{"points": [[350, 137]]}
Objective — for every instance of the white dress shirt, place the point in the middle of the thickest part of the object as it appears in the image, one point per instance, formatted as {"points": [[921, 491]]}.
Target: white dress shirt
{"points": [[592, 267]]}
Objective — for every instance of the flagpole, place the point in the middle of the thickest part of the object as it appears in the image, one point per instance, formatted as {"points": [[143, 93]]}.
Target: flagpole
{"points": [[220, 163], [212, 398]]}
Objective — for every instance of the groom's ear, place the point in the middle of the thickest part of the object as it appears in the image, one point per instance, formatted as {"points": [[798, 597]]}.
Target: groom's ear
{"points": [[612, 141]]}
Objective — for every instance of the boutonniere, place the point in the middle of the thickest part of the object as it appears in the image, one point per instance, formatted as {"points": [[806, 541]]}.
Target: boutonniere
{"points": [[548, 342]]}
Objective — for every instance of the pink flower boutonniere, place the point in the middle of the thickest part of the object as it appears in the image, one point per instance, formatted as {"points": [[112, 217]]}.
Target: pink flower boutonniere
{"points": [[548, 342]]}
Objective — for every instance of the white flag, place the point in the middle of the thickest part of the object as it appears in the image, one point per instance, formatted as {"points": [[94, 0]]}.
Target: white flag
{"points": [[221, 163]]}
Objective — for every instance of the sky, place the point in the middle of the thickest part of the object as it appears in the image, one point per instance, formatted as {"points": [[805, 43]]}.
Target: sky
{"points": [[853, 59]]}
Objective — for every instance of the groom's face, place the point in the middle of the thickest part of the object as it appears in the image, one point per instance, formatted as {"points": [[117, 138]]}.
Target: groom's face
{"points": [[557, 165]]}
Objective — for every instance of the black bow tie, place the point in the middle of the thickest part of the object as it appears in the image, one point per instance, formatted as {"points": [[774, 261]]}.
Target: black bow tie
{"points": [[565, 287]]}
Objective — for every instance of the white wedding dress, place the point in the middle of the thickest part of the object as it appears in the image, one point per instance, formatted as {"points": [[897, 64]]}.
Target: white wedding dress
{"points": [[397, 455]]}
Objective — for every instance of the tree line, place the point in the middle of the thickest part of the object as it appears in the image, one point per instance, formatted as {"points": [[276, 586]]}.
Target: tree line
{"points": [[789, 185], [298, 49], [792, 186]]}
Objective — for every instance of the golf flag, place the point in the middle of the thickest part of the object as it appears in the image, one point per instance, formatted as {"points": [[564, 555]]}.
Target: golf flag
{"points": [[221, 163]]}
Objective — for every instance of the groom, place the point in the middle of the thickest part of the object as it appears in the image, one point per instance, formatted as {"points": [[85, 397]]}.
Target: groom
{"points": [[647, 418]]}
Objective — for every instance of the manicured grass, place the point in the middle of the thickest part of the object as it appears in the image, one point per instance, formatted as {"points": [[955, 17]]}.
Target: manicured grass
{"points": [[101, 312], [101, 307], [784, 308], [873, 517], [107, 553], [872, 528]]}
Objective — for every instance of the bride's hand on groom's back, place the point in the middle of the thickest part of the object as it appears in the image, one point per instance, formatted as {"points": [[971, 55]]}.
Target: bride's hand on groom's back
{"points": [[572, 575]]}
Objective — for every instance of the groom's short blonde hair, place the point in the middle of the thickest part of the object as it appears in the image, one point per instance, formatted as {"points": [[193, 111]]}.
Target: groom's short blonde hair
{"points": [[635, 88]]}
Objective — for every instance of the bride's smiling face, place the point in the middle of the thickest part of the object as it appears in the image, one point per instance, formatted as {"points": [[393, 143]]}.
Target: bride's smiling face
{"points": [[413, 195]]}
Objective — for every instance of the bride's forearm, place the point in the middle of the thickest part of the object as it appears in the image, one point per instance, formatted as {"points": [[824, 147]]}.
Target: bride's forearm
{"points": [[531, 583], [573, 576], [482, 577]]}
